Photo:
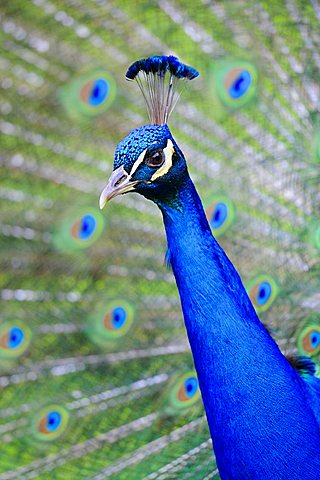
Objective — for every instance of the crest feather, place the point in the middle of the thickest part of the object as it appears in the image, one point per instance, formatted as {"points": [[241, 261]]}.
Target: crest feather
{"points": [[158, 78]]}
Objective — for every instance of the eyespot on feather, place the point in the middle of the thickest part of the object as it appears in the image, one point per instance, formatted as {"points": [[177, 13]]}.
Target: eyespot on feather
{"points": [[89, 94], [79, 230], [235, 82], [111, 322], [309, 340], [185, 392], [220, 212], [262, 290], [50, 423], [15, 338]]}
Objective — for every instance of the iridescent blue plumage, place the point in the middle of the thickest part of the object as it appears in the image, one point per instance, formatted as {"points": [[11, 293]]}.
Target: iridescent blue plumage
{"points": [[241, 84], [158, 77], [137, 141], [16, 337], [264, 417], [252, 396], [160, 65], [99, 92]]}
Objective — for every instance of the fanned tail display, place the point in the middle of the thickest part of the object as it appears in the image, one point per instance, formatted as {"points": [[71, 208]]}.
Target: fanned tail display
{"points": [[97, 379]]}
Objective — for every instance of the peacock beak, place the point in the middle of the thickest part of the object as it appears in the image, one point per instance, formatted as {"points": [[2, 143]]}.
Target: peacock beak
{"points": [[119, 183]]}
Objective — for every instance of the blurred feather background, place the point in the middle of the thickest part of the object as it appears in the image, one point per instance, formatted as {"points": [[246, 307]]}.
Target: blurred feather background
{"points": [[96, 374]]}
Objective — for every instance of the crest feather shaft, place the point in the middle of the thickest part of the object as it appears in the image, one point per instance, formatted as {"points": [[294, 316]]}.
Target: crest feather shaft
{"points": [[158, 78]]}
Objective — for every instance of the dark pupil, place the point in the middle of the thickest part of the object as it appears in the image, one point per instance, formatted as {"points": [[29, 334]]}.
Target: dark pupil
{"points": [[85, 226], [96, 92], [217, 215], [155, 159], [238, 83]]}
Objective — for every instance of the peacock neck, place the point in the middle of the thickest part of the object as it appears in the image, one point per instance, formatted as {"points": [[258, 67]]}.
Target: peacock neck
{"points": [[239, 366], [212, 295]]}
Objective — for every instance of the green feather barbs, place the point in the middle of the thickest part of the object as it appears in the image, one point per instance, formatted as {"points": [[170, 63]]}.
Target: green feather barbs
{"points": [[88, 95]]}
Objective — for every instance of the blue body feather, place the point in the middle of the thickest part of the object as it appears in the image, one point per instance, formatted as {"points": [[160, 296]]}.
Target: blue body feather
{"points": [[263, 417], [263, 414]]}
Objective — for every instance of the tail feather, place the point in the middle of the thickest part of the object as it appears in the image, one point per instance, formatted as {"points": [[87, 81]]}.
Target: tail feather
{"points": [[92, 340]]}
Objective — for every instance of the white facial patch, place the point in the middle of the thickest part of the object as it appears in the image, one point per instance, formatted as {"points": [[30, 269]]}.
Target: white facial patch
{"points": [[138, 162], [168, 153]]}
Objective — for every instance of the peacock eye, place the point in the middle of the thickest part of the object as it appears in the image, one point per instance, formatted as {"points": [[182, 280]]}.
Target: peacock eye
{"points": [[155, 158]]}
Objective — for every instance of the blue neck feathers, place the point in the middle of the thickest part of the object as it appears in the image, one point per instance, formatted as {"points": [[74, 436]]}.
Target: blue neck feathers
{"points": [[254, 400]]}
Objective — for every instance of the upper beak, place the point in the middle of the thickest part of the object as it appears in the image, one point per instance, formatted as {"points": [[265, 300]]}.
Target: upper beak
{"points": [[118, 183]]}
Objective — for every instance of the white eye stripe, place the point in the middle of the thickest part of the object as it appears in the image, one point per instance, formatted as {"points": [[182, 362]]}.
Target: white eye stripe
{"points": [[168, 154], [138, 162]]}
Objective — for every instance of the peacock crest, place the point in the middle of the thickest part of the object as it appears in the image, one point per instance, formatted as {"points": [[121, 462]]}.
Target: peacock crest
{"points": [[159, 79]]}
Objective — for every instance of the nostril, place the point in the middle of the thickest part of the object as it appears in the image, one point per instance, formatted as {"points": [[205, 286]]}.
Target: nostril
{"points": [[120, 180]]}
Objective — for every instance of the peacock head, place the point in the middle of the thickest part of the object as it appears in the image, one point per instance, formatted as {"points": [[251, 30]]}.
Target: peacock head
{"points": [[148, 160]]}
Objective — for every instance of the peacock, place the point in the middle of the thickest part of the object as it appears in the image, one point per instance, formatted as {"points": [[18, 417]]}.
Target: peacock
{"points": [[263, 417], [97, 377]]}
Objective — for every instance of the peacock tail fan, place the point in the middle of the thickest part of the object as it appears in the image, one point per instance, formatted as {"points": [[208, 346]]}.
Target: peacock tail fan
{"points": [[220, 213], [89, 94], [233, 82], [78, 230], [183, 394], [96, 375]]}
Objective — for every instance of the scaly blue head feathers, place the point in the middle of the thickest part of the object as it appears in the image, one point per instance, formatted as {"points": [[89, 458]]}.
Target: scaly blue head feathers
{"points": [[148, 160]]}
